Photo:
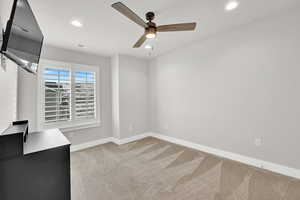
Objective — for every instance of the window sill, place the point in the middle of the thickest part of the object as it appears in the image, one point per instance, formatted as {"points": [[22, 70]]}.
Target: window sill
{"points": [[74, 127]]}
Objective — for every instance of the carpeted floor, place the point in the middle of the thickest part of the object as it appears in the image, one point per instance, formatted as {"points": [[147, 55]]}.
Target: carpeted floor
{"points": [[151, 169]]}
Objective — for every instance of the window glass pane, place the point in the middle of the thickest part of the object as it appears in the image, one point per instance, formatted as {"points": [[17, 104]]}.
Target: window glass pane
{"points": [[85, 96], [57, 86]]}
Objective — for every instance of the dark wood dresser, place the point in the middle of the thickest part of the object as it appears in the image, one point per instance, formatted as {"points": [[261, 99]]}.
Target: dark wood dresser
{"points": [[38, 169]]}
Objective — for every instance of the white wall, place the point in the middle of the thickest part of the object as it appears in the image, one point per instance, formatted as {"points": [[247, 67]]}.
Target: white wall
{"points": [[232, 88], [8, 90], [134, 99], [8, 94], [115, 96], [130, 78], [27, 100]]}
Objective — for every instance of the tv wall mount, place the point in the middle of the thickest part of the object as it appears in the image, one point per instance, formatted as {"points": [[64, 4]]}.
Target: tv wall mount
{"points": [[3, 58]]}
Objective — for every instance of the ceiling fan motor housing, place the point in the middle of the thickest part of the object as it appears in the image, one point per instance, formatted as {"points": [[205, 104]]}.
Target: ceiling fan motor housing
{"points": [[150, 16], [150, 30]]}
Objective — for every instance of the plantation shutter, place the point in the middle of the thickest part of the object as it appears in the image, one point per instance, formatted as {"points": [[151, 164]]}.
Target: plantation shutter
{"points": [[57, 88], [85, 94]]}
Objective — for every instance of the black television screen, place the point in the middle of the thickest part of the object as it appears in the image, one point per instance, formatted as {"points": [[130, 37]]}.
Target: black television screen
{"points": [[23, 38]]}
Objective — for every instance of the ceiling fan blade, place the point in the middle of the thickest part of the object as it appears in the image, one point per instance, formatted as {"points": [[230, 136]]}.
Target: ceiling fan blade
{"points": [[129, 13], [177, 27], [140, 42]]}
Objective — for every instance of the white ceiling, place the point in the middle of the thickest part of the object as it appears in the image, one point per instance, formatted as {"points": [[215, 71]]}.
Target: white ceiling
{"points": [[107, 32]]}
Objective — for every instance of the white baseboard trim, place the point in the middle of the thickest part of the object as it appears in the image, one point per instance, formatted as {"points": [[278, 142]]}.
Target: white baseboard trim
{"points": [[131, 139], [280, 169], [117, 141], [87, 145]]}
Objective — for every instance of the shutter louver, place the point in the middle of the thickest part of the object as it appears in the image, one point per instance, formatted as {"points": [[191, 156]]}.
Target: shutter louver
{"points": [[57, 85], [85, 95]]}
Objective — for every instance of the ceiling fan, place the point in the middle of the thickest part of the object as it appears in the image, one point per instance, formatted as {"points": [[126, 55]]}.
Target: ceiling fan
{"points": [[150, 27]]}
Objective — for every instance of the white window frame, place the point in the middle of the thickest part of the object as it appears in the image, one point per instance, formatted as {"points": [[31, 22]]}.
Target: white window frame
{"points": [[73, 124]]}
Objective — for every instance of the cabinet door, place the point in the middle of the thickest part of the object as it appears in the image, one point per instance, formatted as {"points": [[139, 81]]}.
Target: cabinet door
{"points": [[43, 175]]}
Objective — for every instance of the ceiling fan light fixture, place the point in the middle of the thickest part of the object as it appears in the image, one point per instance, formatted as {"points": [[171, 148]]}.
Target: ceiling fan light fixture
{"points": [[150, 27], [150, 32], [150, 35]]}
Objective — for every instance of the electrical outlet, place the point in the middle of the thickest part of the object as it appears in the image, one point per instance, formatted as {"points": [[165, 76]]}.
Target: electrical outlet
{"points": [[258, 142], [166, 127]]}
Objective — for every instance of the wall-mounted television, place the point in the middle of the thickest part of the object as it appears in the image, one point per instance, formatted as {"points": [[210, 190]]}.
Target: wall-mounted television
{"points": [[23, 38]]}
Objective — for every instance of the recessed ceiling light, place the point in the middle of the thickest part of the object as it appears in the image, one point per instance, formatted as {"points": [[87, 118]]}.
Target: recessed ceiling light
{"points": [[81, 46], [231, 5], [76, 23], [148, 46]]}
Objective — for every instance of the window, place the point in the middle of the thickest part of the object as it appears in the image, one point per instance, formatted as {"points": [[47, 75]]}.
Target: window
{"points": [[68, 95], [85, 95], [57, 86]]}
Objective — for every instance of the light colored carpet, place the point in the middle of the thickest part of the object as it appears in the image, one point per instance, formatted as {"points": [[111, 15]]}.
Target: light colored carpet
{"points": [[151, 169]]}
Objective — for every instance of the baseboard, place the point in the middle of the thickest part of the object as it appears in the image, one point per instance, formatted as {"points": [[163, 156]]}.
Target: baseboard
{"points": [[280, 169], [131, 139], [117, 141], [86, 145]]}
